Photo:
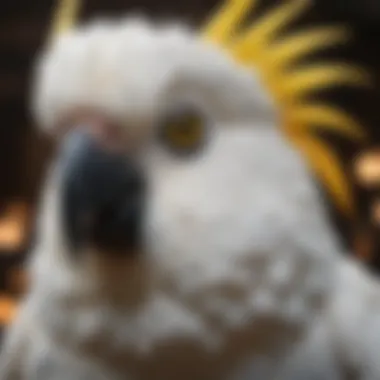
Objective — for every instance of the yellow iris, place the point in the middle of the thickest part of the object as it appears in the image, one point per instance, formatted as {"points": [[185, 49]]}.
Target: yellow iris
{"points": [[184, 133]]}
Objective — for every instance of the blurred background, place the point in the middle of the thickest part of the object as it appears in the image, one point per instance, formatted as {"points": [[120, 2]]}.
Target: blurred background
{"points": [[24, 153]]}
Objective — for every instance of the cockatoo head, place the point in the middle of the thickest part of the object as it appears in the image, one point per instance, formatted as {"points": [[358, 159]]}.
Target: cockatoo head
{"points": [[172, 165]]}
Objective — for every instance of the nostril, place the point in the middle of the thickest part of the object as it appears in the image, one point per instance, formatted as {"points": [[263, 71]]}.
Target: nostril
{"points": [[107, 133]]}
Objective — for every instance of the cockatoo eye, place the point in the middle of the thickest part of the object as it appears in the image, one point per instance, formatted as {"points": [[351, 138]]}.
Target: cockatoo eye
{"points": [[183, 131]]}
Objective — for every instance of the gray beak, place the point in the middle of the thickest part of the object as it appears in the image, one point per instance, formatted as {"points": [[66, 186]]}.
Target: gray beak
{"points": [[103, 195]]}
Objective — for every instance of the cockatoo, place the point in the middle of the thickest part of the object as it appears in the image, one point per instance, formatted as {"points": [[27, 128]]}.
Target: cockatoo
{"points": [[181, 234]]}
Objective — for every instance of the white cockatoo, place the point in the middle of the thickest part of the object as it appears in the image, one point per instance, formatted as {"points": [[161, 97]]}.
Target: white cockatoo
{"points": [[181, 234]]}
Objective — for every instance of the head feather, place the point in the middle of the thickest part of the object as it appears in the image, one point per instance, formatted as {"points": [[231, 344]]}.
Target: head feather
{"points": [[264, 46]]}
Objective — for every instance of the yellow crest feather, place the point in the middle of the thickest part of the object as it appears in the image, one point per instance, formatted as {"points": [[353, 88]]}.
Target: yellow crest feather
{"points": [[249, 45], [329, 168], [298, 83], [324, 116], [64, 17], [288, 50], [225, 23], [264, 46]]}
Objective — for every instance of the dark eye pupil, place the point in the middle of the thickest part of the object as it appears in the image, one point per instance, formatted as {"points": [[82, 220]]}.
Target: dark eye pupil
{"points": [[187, 128]]}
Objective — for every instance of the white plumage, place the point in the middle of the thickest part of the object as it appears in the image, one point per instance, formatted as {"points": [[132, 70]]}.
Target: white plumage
{"points": [[241, 276]]}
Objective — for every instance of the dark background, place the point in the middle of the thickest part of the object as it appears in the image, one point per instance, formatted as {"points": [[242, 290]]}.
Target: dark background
{"points": [[24, 25]]}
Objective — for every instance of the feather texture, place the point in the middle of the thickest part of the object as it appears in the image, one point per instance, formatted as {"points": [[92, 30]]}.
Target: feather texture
{"points": [[265, 46]]}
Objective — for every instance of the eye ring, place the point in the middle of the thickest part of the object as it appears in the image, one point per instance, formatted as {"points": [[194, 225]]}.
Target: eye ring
{"points": [[183, 130]]}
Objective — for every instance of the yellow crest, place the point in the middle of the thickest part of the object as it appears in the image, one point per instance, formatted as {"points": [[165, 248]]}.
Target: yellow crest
{"points": [[64, 17], [259, 46]]}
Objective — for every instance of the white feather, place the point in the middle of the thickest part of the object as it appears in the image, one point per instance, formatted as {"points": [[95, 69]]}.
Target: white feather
{"points": [[240, 267]]}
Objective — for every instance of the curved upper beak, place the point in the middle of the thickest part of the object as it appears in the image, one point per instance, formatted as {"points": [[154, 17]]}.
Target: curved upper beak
{"points": [[102, 194]]}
